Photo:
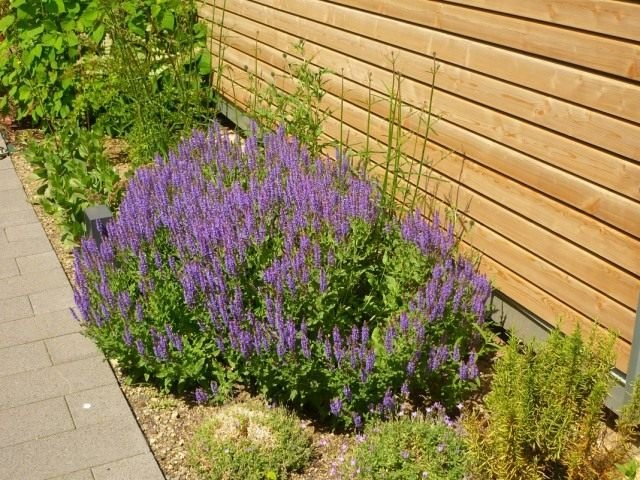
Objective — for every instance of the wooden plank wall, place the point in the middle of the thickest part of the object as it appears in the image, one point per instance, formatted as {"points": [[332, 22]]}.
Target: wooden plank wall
{"points": [[540, 101]]}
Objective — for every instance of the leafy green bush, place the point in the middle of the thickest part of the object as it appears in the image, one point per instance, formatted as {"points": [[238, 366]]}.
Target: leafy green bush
{"points": [[161, 69], [41, 55], [299, 112], [543, 413], [413, 447], [250, 441], [75, 174]]}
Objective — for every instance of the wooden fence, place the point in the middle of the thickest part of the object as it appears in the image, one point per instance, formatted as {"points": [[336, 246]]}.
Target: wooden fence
{"points": [[540, 101]]}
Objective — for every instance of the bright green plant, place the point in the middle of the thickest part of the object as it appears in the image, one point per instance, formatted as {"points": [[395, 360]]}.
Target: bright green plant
{"points": [[415, 447], [543, 413], [75, 173], [250, 441], [161, 67], [300, 111], [41, 55]]}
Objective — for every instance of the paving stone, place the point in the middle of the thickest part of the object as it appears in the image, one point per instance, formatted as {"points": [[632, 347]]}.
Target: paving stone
{"points": [[52, 299], [38, 263], [38, 327], [27, 231], [15, 308], [14, 200], [69, 452], [26, 247], [56, 323], [99, 405], [22, 358], [55, 381], [35, 420], [79, 475], [9, 180], [5, 163], [35, 282], [8, 268], [18, 332], [68, 348], [8, 219], [140, 467]]}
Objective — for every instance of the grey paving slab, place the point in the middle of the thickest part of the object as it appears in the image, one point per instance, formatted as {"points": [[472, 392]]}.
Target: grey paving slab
{"points": [[55, 381], [38, 327], [22, 358], [9, 180], [79, 475], [27, 231], [5, 163], [15, 308], [8, 219], [33, 421], [99, 405], [37, 263], [14, 200], [53, 299], [8, 268], [56, 323], [18, 332], [68, 348], [27, 247], [35, 282], [140, 467], [71, 451]]}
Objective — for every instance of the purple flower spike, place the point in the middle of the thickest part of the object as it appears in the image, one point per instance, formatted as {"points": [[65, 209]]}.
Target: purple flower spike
{"points": [[201, 396], [335, 406]]}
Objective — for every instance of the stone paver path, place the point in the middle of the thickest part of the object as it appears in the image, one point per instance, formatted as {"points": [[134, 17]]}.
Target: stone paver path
{"points": [[62, 414]]}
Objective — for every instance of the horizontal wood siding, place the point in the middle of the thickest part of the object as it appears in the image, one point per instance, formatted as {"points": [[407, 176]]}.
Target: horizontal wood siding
{"points": [[539, 105]]}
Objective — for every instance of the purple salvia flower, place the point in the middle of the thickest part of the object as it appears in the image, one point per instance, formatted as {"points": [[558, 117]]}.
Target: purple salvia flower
{"points": [[127, 337], [388, 402], [347, 392], [389, 339], [140, 347], [335, 406], [201, 396]]}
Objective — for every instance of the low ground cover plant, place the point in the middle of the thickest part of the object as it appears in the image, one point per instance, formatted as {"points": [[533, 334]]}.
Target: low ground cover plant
{"points": [[252, 441], [412, 446], [237, 263]]}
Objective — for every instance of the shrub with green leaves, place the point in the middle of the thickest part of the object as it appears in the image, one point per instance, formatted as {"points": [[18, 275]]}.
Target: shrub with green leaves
{"points": [[75, 174], [542, 417], [162, 70], [409, 447], [41, 55], [250, 441]]}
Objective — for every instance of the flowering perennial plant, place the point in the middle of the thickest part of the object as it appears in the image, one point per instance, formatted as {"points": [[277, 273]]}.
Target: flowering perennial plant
{"points": [[258, 264]]}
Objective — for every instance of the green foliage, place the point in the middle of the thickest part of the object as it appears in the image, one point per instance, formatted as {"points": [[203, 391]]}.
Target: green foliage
{"points": [[161, 68], [300, 110], [543, 414], [414, 447], [41, 55], [75, 174], [250, 441]]}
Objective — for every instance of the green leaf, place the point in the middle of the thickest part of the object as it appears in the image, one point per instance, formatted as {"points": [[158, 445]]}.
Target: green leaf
{"points": [[168, 21], [98, 34], [204, 64], [60, 5], [6, 22]]}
